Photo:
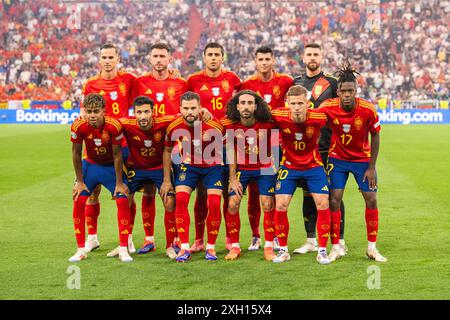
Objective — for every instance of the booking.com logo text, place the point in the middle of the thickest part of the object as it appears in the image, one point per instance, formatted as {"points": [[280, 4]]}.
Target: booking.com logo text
{"points": [[408, 117], [46, 116]]}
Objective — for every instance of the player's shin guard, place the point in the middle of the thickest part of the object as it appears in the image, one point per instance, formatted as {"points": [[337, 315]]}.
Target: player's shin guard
{"points": [[170, 226], [132, 216], [254, 209], [200, 213], [269, 225], [372, 224], [79, 207], [92, 211], [233, 223], [335, 226], [282, 227], [214, 217], [310, 216], [148, 215], [182, 218], [124, 220], [323, 227]]}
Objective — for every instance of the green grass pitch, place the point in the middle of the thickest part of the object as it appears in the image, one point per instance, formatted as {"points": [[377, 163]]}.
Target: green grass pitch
{"points": [[37, 235]]}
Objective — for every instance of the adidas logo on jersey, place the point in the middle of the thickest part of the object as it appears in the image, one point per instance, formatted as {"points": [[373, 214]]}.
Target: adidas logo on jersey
{"points": [[287, 130], [204, 88], [149, 91], [218, 184]]}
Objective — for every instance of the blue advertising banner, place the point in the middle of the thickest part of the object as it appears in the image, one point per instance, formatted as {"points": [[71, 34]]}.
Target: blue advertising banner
{"points": [[56, 116], [414, 116], [62, 116]]}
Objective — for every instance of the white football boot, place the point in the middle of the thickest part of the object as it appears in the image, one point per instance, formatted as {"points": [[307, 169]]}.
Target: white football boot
{"points": [[81, 254]]}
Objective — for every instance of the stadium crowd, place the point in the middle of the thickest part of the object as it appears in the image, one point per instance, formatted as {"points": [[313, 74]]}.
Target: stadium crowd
{"points": [[400, 47]]}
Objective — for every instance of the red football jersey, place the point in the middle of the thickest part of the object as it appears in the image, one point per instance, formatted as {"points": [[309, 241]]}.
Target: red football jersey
{"points": [[98, 141], [116, 92], [214, 92], [146, 147], [164, 93], [201, 145], [273, 91], [299, 140], [350, 138], [253, 145]]}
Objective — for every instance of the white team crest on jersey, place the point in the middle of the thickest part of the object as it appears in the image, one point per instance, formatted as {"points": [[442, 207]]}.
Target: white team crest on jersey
{"points": [[159, 96], [250, 140], [113, 95], [298, 136], [268, 98], [148, 143], [346, 128], [216, 91], [196, 142], [98, 142]]}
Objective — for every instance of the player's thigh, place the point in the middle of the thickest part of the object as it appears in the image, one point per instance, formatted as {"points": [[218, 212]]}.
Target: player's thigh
{"points": [[358, 170], [91, 178], [212, 179], [287, 181], [187, 176], [108, 179], [338, 173], [321, 200]]}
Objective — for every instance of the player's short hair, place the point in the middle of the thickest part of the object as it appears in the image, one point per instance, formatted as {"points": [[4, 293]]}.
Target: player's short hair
{"points": [[189, 96], [161, 45], [262, 113], [141, 100], [110, 45], [214, 45], [94, 100], [264, 49], [346, 73], [313, 45], [297, 91]]}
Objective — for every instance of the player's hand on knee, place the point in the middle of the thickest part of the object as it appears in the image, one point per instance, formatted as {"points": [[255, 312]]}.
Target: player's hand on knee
{"points": [[371, 176], [166, 187], [236, 186], [78, 188], [121, 188]]}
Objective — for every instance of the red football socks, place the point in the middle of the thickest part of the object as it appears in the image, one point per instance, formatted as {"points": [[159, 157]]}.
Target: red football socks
{"points": [[170, 226], [148, 215], [233, 223], [214, 217], [200, 213], [124, 220], [254, 209], [335, 226], [269, 225], [372, 224], [92, 212], [182, 218], [323, 227], [78, 213], [282, 227]]}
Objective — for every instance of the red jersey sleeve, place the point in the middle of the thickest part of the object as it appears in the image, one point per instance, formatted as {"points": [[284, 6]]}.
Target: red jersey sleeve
{"points": [[76, 134], [115, 129]]}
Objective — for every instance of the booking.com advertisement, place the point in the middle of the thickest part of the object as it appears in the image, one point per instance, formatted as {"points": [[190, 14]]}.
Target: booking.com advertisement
{"points": [[62, 116]]}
